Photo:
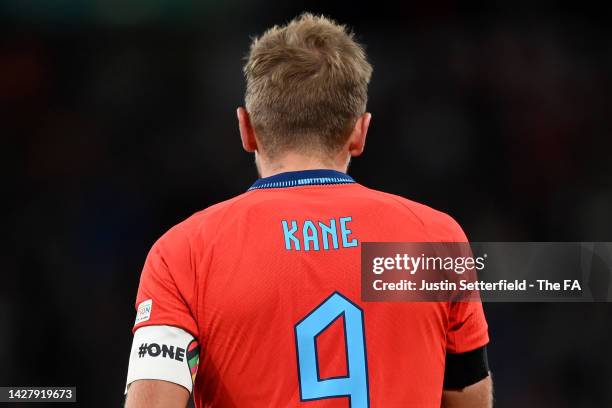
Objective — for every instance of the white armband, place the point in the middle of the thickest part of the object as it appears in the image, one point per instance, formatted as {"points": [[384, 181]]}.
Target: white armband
{"points": [[164, 353]]}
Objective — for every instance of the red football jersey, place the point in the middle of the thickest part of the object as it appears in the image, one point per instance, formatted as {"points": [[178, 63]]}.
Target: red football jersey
{"points": [[269, 285]]}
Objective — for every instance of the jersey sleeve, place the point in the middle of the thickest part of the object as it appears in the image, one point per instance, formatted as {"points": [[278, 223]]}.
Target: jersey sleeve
{"points": [[166, 294], [467, 328], [467, 325], [165, 343]]}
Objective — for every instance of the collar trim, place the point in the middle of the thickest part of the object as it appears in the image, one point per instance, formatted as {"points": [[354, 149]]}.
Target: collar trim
{"points": [[302, 178]]}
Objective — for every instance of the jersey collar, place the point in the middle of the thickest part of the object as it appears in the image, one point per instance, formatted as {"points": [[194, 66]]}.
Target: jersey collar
{"points": [[302, 178]]}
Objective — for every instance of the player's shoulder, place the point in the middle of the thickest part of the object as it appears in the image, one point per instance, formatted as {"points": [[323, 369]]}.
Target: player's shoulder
{"points": [[204, 221], [436, 222]]}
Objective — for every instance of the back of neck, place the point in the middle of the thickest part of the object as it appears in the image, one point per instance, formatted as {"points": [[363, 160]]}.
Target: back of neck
{"points": [[297, 162]]}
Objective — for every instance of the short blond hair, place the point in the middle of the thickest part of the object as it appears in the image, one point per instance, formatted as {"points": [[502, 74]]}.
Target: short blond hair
{"points": [[306, 85]]}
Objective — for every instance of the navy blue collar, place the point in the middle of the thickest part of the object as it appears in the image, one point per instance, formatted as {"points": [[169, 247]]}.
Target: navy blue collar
{"points": [[302, 178]]}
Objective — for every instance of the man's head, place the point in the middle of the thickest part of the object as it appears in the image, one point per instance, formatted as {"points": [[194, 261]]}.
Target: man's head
{"points": [[306, 92]]}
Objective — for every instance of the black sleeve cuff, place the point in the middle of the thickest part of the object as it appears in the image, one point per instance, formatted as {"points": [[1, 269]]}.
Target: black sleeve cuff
{"points": [[465, 369]]}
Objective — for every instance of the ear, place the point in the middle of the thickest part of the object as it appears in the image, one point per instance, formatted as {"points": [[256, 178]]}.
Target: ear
{"points": [[358, 135], [247, 134]]}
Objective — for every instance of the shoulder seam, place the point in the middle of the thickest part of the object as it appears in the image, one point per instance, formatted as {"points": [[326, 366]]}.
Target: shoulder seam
{"points": [[212, 243]]}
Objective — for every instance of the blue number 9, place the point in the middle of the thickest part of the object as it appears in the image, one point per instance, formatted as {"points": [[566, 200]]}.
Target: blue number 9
{"points": [[355, 384]]}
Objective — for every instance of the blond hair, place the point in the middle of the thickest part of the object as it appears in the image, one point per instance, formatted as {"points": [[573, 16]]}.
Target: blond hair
{"points": [[306, 85]]}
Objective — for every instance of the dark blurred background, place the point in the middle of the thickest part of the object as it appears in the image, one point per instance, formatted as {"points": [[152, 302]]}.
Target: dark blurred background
{"points": [[118, 121]]}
